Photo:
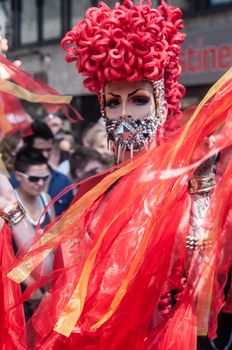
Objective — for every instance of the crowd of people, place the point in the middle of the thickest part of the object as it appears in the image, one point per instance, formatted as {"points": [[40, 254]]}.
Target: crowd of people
{"points": [[66, 161], [43, 164]]}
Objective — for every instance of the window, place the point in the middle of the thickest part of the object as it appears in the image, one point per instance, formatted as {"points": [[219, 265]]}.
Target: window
{"points": [[185, 5], [51, 15], [111, 3], [220, 2], [78, 9], [29, 31], [196, 6], [155, 3], [4, 17], [36, 21]]}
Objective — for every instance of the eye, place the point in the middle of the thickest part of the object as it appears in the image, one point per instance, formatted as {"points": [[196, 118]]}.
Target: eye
{"points": [[113, 103], [141, 100]]}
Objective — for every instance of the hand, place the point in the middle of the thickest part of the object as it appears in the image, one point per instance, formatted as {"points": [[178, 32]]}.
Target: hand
{"points": [[4, 45], [5, 73], [7, 195]]}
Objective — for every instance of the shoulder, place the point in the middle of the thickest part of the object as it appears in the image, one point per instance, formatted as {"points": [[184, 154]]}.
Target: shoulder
{"points": [[13, 181], [46, 196], [57, 183], [64, 167], [61, 177], [46, 200]]}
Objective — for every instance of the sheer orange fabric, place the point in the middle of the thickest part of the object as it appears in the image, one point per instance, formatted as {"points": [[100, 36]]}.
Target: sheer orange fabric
{"points": [[125, 246]]}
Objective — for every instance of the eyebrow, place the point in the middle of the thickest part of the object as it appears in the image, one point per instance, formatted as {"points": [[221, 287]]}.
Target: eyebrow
{"points": [[134, 92], [111, 93], [129, 95]]}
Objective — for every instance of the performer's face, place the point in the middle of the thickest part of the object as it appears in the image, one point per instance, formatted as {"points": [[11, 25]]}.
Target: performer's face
{"points": [[129, 100], [132, 119]]}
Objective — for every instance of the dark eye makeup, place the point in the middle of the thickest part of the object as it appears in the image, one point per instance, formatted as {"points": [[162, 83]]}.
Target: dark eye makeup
{"points": [[140, 100], [112, 102]]}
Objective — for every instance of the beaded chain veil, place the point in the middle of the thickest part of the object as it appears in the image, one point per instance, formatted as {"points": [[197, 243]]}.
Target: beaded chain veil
{"points": [[135, 134]]}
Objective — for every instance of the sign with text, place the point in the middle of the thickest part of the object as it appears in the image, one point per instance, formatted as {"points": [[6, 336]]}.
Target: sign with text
{"points": [[206, 56]]}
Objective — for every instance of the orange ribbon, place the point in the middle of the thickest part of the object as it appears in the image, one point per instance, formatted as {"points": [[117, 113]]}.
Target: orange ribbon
{"points": [[17, 91]]}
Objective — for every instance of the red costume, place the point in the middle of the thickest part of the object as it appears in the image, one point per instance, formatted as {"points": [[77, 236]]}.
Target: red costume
{"points": [[128, 242]]}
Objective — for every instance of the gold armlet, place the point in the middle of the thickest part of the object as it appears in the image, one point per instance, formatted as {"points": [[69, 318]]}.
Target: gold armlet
{"points": [[13, 213], [201, 184]]}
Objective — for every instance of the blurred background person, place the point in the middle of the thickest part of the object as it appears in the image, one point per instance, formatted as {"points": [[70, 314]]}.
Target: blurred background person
{"points": [[65, 144], [60, 151], [4, 47], [9, 146], [95, 137], [67, 141], [62, 145], [42, 139], [55, 123], [85, 162], [57, 156]]}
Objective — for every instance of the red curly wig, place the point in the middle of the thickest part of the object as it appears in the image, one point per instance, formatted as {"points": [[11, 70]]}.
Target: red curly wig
{"points": [[131, 42]]}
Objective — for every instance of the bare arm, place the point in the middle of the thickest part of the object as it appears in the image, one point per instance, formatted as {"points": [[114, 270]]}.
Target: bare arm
{"points": [[22, 232]]}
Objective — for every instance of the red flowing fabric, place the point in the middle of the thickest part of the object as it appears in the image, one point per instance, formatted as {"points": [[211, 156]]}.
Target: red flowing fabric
{"points": [[178, 333], [124, 246], [13, 117], [12, 329]]}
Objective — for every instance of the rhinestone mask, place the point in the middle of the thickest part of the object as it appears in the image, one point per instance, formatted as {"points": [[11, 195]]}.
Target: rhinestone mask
{"points": [[131, 134], [135, 134]]}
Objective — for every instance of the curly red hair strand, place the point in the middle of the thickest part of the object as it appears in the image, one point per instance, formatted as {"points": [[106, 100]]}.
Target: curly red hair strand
{"points": [[130, 42]]}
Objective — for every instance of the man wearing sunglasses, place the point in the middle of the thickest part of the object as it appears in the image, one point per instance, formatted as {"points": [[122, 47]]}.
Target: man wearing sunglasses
{"points": [[32, 173], [42, 139]]}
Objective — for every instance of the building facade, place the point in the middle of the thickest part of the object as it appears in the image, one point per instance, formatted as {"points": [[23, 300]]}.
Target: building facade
{"points": [[34, 29]]}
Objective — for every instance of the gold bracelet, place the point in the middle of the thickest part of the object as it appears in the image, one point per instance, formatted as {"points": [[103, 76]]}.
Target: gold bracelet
{"points": [[13, 213], [201, 184], [194, 243]]}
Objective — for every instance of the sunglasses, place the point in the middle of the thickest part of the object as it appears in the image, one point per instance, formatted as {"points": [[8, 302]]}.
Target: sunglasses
{"points": [[35, 178], [55, 124], [43, 149]]}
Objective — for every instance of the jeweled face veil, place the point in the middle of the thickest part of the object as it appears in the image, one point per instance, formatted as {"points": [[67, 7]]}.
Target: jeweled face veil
{"points": [[133, 111]]}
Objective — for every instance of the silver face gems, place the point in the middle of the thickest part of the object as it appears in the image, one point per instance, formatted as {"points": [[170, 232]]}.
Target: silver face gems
{"points": [[158, 88], [102, 104], [131, 134]]}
